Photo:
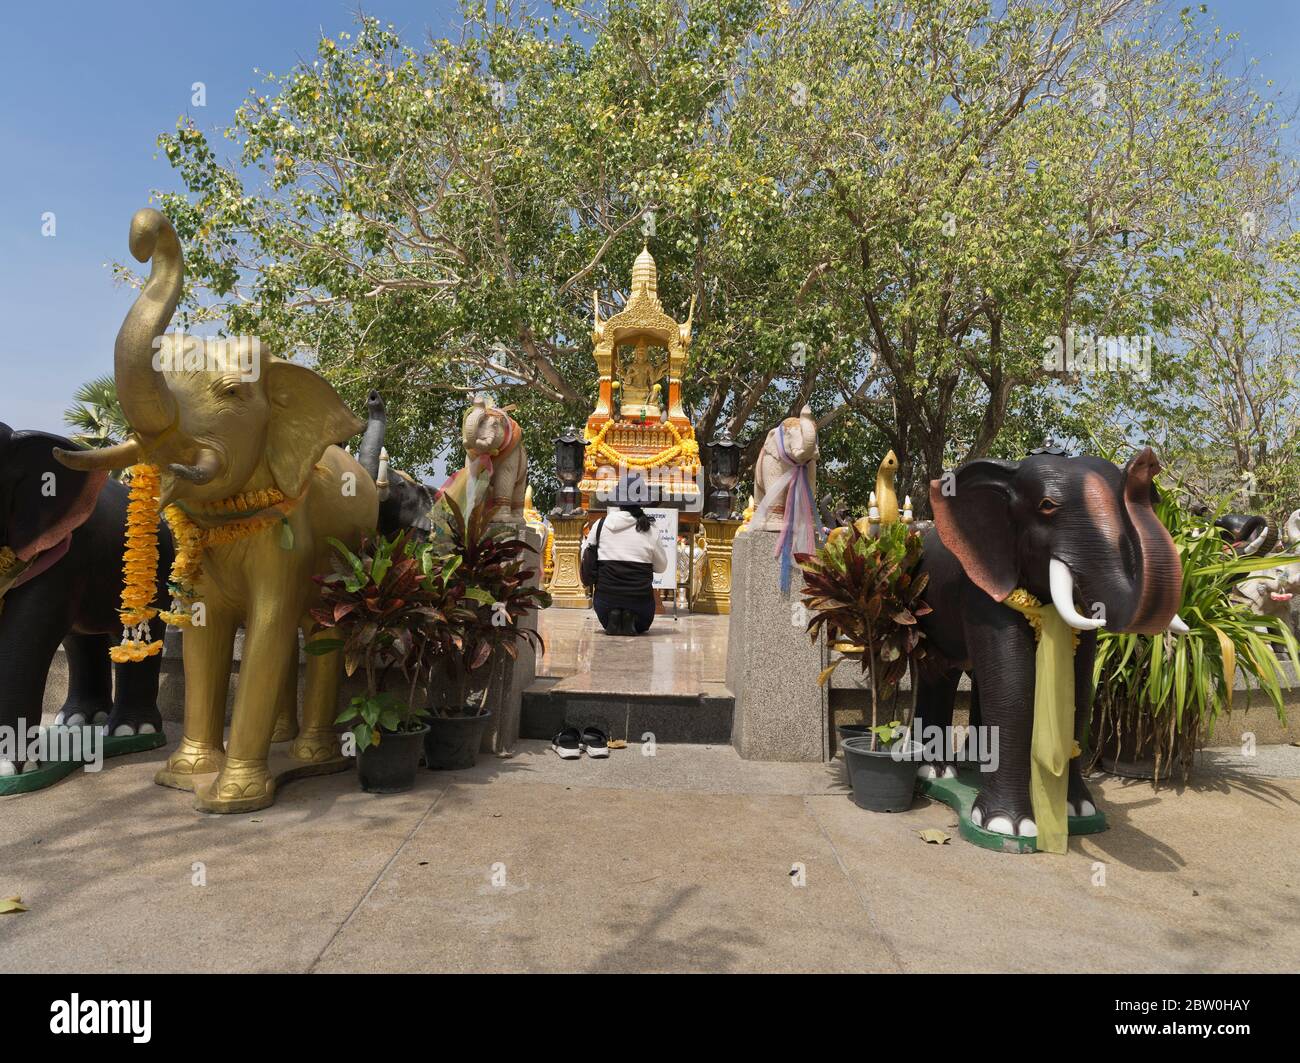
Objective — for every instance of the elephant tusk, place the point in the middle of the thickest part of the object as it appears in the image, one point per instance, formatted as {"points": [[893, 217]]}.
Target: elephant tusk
{"points": [[1252, 547], [120, 456], [1178, 625], [1061, 580], [201, 472]]}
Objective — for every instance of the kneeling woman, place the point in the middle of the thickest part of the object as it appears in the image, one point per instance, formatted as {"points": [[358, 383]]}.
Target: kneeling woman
{"points": [[630, 553]]}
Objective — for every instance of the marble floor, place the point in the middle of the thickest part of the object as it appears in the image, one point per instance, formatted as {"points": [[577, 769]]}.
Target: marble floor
{"points": [[685, 656]]}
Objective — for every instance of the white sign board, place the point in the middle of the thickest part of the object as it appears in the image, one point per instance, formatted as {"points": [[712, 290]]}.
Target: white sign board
{"points": [[664, 524]]}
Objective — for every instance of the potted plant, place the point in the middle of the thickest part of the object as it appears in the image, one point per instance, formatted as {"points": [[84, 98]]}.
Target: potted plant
{"points": [[1158, 696], [375, 604], [477, 574], [864, 593]]}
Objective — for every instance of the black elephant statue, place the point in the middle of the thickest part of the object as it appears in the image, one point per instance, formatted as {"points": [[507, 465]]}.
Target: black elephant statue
{"points": [[404, 502], [1247, 534], [61, 582], [1061, 528]]}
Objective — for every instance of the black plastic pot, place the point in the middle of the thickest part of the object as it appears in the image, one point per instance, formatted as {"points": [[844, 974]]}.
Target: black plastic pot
{"points": [[390, 767], [852, 730], [883, 780], [453, 741]]}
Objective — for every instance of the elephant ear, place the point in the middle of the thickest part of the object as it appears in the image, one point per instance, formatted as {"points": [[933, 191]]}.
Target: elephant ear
{"points": [[972, 513], [41, 501], [307, 416]]}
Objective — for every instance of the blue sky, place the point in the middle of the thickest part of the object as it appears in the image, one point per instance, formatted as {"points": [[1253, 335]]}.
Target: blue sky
{"points": [[85, 89]]}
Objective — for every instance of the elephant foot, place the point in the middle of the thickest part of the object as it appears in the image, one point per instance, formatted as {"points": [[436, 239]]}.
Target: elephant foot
{"points": [[286, 727], [1004, 816], [125, 729], [242, 786], [74, 716], [317, 747], [135, 721], [190, 759], [1079, 801]]}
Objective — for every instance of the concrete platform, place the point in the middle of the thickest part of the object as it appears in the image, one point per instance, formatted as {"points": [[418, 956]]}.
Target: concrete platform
{"points": [[667, 682], [686, 655], [680, 861]]}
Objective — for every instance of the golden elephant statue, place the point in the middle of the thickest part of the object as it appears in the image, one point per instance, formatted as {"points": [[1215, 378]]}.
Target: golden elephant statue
{"points": [[245, 450]]}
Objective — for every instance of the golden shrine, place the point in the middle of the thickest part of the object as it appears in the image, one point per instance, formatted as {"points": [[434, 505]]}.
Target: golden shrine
{"points": [[634, 350], [637, 427]]}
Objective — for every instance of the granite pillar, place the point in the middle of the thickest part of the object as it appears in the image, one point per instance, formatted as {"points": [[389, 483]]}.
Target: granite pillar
{"points": [[772, 666], [511, 676]]}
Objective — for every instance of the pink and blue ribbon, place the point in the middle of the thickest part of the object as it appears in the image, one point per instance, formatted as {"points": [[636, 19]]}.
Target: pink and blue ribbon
{"points": [[798, 527]]}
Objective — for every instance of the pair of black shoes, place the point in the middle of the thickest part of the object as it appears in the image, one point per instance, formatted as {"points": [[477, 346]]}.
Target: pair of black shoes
{"points": [[571, 743], [621, 622]]}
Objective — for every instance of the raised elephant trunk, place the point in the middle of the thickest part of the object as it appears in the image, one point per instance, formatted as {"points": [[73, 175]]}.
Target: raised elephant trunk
{"points": [[372, 441], [808, 431], [141, 388], [1161, 579]]}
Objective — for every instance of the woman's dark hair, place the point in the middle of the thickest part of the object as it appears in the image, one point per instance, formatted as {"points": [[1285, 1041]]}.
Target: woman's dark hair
{"points": [[642, 521]]}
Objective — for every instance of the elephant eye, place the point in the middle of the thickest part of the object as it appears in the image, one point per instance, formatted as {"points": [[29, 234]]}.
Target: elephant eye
{"points": [[1048, 506]]}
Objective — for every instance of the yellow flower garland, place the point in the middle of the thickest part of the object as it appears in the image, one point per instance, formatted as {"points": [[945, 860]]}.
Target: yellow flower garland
{"points": [[684, 447], [139, 567], [140, 561]]}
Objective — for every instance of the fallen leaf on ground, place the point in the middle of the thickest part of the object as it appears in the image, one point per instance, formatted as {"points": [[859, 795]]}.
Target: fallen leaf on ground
{"points": [[934, 836], [12, 904], [617, 743]]}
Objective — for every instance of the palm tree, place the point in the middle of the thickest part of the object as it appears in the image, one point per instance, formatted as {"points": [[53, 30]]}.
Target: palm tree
{"points": [[96, 415]]}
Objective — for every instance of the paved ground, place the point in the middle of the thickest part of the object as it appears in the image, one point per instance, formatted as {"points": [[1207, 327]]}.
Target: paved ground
{"points": [[680, 861]]}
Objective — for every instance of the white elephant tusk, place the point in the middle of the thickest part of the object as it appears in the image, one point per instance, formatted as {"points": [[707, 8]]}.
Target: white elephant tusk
{"points": [[1178, 625], [1253, 546], [1061, 581]]}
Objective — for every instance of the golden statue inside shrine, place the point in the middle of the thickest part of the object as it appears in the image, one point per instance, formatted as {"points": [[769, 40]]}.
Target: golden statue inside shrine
{"points": [[634, 349], [638, 383]]}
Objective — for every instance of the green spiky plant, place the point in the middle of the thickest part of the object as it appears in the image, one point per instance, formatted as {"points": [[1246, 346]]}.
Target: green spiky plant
{"points": [[866, 589], [96, 416], [1163, 693]]}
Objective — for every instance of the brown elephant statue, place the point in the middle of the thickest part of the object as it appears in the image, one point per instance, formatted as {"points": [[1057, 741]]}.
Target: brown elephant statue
{"points": [[247, 451]]}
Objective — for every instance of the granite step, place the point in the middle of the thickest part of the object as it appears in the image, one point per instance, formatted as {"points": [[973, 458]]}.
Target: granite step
{"points": [[703, 717]]}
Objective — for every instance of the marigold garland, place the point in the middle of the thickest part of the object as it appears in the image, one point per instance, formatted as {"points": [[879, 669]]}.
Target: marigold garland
{"points": [[186, 567], [140, 562], [684, 447], [139, 567]]}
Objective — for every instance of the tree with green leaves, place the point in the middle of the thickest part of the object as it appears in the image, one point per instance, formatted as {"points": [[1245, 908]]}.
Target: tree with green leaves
{"points": [[888, 211]]}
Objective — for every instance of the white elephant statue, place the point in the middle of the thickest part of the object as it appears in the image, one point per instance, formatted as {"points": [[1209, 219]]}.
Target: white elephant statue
{"points": [[790, 446], [1272, 591]]}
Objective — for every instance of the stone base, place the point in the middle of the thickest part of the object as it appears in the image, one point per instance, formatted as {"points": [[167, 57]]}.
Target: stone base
{"points": [[772, 667], [511, 676]]}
